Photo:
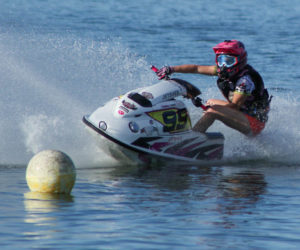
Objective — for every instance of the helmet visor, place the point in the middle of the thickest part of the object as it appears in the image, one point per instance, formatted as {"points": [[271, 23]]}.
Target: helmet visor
{"points": [[226, 60]]}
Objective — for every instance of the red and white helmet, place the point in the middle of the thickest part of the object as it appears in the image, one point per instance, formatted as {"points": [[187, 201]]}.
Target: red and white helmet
{"points": [[231, 58]]}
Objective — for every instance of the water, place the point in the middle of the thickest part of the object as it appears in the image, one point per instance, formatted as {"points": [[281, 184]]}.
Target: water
{"points": [[61, 59]]}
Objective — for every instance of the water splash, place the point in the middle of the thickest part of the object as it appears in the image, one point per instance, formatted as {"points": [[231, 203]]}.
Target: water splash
{"points": [[278, 143], [50, 82]]}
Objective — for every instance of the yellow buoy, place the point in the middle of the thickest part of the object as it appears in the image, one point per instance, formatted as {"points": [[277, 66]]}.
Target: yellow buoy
{"points": [[51, 171]]}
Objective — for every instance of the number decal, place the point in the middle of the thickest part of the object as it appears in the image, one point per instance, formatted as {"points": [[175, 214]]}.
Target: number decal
{"points": [[182, 119], [170, 120], [173, 120]]}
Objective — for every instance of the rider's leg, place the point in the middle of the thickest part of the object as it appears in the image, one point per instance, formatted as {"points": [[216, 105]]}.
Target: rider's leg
{"points": [[229, 116]]}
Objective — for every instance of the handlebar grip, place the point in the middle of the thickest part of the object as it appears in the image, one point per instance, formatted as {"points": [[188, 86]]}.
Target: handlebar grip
{"points": [[198, 103], [154, 68]]}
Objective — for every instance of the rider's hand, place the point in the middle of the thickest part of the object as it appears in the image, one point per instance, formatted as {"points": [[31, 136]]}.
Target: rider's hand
{"points": [[209, 103], [164, 72]]}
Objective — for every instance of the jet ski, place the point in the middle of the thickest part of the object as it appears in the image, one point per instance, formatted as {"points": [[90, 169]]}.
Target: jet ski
{"points": [[151, 124]]}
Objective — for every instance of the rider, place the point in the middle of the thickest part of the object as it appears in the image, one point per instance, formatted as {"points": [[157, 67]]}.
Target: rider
{"points": [[247, 101]]}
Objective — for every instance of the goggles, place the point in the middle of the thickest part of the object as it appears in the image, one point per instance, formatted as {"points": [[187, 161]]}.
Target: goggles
{"points": [[226, 60]]}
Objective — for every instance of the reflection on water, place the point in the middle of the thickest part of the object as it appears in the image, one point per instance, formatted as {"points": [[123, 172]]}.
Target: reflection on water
{"points": [[238, 195], [42, 210], [247, 185], [45, 202], [137, 208], [222, 189]]}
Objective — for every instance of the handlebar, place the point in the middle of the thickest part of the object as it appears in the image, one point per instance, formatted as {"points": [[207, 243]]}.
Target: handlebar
{"points": [[197, 101]]}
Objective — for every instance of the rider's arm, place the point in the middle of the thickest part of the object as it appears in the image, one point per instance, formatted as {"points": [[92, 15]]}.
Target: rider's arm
{"points": [[198, 69], [243, 90], [238, 100]]}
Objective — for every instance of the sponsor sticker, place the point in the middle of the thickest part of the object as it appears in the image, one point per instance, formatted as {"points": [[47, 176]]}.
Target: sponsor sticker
{"points": [[124, 109], [147, 95], [129, 105]]}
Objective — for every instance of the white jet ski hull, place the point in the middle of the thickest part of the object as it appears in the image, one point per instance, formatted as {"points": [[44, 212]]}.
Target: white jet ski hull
{"points": [[150, 123], [179, 148]]}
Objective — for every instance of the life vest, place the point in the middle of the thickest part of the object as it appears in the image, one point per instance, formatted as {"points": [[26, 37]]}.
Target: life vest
{"points": [[258, 104]]}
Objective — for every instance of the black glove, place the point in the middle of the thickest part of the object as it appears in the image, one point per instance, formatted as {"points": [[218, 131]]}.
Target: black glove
{"points": [[197, 101]]}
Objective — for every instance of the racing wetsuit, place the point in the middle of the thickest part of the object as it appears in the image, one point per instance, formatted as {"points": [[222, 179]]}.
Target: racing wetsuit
{"points": [[256, 106]]}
